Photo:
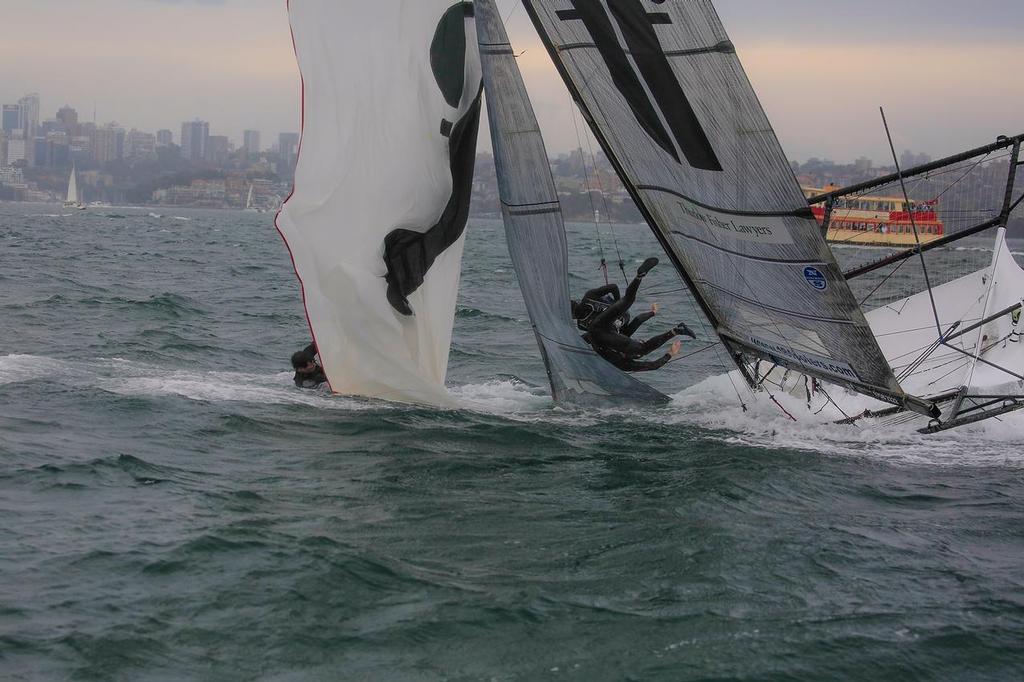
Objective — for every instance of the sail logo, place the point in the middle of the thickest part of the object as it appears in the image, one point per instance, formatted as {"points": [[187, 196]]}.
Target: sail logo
{"points": [[643, 76], [409, 254], [816, 278]]}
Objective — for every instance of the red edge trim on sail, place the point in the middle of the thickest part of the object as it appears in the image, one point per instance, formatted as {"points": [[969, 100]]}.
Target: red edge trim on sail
{"points": [[298, 155]]}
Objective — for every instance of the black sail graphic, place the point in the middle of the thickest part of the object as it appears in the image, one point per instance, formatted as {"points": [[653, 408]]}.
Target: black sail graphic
{"points": [[536, 234], [656, 77], [410, 253]]}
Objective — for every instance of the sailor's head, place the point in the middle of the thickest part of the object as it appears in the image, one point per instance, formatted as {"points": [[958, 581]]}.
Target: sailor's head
{"points": [[303, 361]]}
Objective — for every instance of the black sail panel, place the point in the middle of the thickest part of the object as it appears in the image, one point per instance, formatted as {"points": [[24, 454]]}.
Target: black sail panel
{"points": [[536, 234], [665, 94]]}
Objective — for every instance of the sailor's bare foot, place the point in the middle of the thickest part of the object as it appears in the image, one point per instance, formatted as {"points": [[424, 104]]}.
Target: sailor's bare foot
{"points": [[676, 347], [654, 308]]}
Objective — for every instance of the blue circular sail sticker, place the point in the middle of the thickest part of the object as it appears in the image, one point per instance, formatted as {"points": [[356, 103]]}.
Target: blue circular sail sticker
{"points": [[816, 278]]}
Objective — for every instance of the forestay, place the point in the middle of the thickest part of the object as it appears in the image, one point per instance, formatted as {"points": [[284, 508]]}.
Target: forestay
{"points": [[664, 92], [376, 222], [536, 233]]}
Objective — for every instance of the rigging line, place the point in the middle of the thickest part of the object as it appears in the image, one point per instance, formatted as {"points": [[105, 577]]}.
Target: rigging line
{"points": [[604, 202], [887, 277], [913, 223], [961, 178], [779, 405], [956, 369], [586, 176], [696, 352], [834, 403], [515, 6]]}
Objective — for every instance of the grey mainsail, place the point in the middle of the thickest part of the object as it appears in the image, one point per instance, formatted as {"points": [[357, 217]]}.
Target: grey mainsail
{"points": [[667, 97], [536, 233]]}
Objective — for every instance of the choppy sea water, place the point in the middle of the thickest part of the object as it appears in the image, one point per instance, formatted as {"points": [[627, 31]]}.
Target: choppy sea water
{"points": [[171, 507]]}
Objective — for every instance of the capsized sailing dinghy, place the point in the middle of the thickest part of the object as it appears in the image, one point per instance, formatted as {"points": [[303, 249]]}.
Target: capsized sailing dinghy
{"points": [[668, 100]]}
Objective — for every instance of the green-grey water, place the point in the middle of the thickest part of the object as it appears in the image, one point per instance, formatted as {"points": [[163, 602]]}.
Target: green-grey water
{"points": [[172, 508]]}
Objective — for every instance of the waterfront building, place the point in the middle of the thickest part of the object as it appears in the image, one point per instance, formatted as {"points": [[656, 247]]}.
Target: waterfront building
{"points": [[194, 137]]}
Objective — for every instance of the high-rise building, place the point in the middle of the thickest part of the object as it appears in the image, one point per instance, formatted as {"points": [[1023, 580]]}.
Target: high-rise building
{"points": [[30, 114], [17, 147], [217, 149], [11, 118], [69, 118], [164, 138], [81, 149], [108, 143], [194, 136], [140, 146], [288, 148], [251, 143]]}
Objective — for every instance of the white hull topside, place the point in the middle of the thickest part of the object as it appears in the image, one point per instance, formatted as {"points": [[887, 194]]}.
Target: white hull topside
{"points": [[906, 329]]}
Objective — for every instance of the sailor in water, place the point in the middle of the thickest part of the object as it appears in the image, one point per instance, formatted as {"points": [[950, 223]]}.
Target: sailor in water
{"points": [[604, 317], [308, 373]]}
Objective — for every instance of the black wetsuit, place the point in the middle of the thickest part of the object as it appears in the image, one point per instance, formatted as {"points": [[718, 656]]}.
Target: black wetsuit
{"points": [[613, 342], [312, 379]]}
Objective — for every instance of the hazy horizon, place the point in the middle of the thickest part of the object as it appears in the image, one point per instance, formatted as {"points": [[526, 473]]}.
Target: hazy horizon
{"points": [[943, 71]]}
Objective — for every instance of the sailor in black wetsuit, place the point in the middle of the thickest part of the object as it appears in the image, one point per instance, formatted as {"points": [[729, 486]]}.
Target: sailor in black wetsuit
{"points": [[604, 315], [308, 374]]}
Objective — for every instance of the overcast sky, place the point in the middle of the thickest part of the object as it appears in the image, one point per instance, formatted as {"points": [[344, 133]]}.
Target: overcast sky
{"points": [[948, 72]]}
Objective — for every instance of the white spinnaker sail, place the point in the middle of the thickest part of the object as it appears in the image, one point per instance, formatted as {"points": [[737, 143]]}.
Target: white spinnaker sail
{"points": [[375, 225], [72, 188]]}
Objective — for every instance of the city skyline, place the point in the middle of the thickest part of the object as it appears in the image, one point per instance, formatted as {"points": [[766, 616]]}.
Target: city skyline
{"points": [[943, 71]]}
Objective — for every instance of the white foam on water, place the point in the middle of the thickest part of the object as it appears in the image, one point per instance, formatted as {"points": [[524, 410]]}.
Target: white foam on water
{"points": [[714, 405], [505, 397], [124, 377]]}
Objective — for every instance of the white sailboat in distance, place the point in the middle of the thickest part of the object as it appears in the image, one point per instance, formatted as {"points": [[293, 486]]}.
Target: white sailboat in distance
{"points": [[72, 200]]}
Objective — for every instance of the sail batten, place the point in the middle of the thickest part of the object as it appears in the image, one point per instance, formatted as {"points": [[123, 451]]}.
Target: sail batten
{"points": [[739, 231]]}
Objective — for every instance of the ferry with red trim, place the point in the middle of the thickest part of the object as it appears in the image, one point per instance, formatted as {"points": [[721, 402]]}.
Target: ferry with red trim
{"points": [[877, 221]]}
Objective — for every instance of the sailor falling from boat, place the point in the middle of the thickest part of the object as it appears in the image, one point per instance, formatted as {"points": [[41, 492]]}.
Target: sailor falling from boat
{"points": [[308, 373], [604, 317]]}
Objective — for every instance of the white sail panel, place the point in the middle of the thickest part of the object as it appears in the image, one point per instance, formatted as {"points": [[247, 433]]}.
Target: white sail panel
{"points": [[668, 99], [72, 197], [375, 225]]}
